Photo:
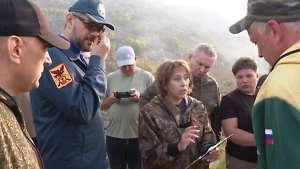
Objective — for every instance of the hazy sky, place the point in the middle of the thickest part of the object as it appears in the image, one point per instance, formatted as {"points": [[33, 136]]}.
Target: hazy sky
{"points": [[232, 9]]}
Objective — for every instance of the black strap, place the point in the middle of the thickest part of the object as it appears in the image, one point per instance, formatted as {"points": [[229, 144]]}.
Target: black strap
{"points": [[167, 110], [181, 123], [285, 55], [81, 65]]}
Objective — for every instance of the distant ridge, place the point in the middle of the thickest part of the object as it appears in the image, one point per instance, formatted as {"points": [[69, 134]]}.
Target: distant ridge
{"points": [[164, 31]]}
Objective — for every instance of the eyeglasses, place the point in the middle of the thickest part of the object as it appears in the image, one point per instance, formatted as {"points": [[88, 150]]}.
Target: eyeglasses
{"points": [[90, 25]]}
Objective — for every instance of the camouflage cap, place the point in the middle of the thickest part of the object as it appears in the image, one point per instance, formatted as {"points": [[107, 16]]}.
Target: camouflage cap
{"points": [[265, 10]]}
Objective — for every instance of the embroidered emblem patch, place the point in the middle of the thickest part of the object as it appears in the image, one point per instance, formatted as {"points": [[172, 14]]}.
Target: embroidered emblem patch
{"points": [[101, 10], [61, 76], [269, 136]]}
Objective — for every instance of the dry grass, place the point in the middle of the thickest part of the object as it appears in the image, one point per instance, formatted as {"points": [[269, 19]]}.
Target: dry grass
{"points": [[220, 164]]}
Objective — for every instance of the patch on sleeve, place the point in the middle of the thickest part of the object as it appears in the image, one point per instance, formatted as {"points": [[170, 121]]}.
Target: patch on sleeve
{"points": [[61, 76], [269, 136]]}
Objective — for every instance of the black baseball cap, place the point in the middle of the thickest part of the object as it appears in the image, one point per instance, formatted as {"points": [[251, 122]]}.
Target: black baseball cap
{"points": [[24, 18], [94, 9]]}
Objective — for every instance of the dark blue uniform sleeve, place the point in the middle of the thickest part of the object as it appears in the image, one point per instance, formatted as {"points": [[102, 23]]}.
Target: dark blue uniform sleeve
{"points": [[81, 96]]}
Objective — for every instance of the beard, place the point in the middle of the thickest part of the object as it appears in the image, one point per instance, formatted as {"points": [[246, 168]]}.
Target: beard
{"points": [[79, 43]]}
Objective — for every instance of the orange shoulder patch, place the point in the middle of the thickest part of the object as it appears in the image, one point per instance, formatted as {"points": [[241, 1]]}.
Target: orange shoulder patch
{"points": [[61, 76]]}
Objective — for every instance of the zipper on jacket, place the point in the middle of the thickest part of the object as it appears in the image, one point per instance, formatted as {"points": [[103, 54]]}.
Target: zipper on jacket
{"points": [[39, 157], [14, 108]]}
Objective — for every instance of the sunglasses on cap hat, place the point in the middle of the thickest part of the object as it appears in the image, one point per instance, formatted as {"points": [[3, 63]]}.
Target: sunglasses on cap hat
{"points": [[90, 25]]}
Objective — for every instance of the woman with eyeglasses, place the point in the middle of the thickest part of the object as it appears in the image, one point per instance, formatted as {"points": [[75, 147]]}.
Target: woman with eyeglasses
{"points": [[174, 128]]}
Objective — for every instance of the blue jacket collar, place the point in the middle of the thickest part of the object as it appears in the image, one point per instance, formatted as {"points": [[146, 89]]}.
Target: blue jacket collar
{"points": [[73, 52]]}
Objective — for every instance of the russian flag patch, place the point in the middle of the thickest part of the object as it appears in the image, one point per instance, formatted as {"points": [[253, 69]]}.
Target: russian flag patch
{"points": [[269, 136]]}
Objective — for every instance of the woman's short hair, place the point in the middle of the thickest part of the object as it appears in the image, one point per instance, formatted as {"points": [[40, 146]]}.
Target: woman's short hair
{"points": [[165, 71], [244, 62]]}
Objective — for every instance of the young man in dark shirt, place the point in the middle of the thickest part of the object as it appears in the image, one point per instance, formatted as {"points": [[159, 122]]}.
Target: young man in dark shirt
{"points": [[236, 119]]}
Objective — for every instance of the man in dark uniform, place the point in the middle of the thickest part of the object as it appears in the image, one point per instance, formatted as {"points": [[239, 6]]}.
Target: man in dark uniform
{"points": [[66, 106], [24, 38]]}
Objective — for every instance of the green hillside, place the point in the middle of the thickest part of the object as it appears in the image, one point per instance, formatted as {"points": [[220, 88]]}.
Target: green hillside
{"points": [[159, 32]]}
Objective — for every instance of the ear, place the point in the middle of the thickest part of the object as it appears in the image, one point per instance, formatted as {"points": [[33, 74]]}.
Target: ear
{"points": [[190, 56], [166, 88], [166, 84], [256, 75], [274, 30], [69, 20], [15, 48], [135, 58]]}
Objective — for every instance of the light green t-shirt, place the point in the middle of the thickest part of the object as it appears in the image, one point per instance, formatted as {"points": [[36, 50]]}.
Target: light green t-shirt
{"points": [[123, 116]]}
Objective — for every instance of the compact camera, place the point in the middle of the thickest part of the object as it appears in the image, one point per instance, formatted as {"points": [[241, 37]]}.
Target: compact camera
{"points": [[122, 94]]}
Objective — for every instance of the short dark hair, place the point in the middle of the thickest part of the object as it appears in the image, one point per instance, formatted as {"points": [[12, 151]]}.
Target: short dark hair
{"points": [[244, 62], [164, 72]]}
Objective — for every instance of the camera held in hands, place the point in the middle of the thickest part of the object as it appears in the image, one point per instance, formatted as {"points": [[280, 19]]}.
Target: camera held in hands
{"points": [[122, 94]]}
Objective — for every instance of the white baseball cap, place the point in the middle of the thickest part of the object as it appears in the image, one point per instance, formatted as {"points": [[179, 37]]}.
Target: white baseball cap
{"points": [[125, 56]]}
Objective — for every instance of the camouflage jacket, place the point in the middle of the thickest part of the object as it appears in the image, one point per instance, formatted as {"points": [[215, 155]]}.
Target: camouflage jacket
{"points": [[17, 151], [159, 123], [206, 90]]}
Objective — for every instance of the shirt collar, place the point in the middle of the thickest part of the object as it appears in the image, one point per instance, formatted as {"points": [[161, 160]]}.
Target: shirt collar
{"points": [[73, 48]]}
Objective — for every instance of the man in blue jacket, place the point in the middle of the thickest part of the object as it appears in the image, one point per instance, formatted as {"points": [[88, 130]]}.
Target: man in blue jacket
{"points": [[66, 106]]}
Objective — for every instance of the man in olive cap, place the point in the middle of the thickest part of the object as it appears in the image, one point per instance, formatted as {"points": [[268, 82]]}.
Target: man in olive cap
{"points": [[274, 26]]}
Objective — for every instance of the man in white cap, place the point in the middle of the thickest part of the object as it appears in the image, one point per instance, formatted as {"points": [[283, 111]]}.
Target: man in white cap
{"points": [[124, 87]]}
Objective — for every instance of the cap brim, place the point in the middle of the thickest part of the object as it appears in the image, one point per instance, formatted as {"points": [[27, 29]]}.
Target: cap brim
{"points": [[55, 40], [240, 25], [121, 63], [100, 20]]}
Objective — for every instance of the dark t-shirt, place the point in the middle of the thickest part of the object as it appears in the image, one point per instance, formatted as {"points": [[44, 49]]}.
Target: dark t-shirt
{"points": [[182, 106], [238, 105], [262, 79]]}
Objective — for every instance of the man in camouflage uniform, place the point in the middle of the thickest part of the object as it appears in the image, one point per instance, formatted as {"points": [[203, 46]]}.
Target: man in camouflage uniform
{"points": [[24, 38], [206, 89]]}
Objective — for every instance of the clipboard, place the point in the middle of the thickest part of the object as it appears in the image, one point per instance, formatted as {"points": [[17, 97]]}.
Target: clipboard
{"points": [[208, 151]]}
